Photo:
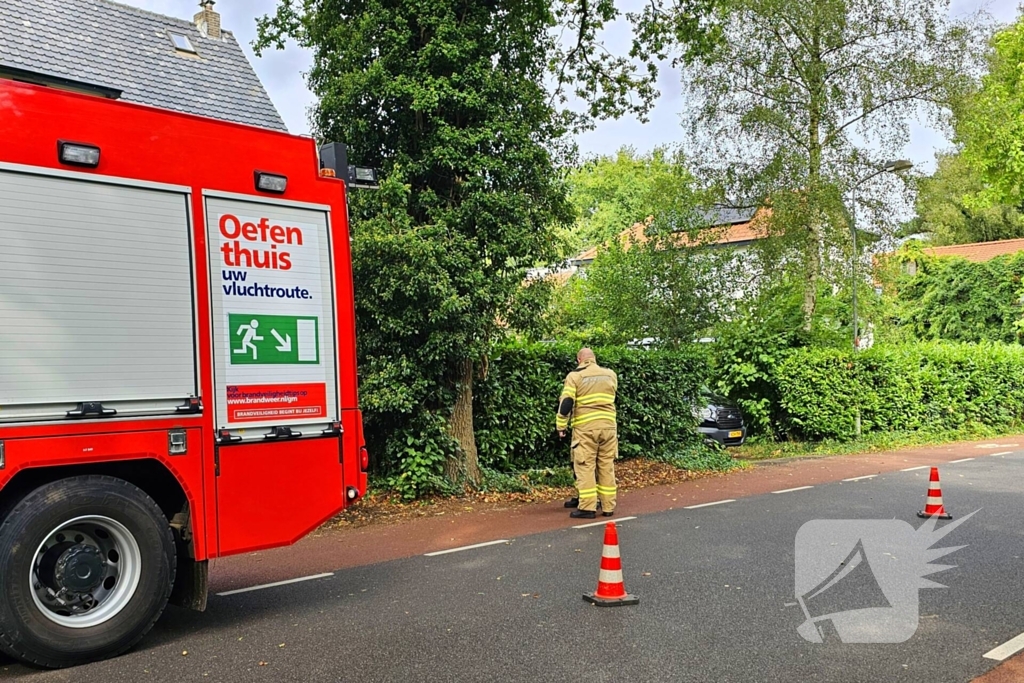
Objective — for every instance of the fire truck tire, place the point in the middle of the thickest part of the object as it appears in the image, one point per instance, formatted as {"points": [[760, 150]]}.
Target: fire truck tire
{"points": [[86, 567]]}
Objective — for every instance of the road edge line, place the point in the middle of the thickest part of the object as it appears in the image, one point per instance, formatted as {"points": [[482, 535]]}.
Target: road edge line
{"points": [[275, 584], [590, 524], [1007, 649], [704, 505], [465, 547]]}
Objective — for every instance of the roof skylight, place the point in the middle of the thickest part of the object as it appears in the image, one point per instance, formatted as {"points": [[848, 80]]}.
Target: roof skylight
{"points": [[181, 42]]}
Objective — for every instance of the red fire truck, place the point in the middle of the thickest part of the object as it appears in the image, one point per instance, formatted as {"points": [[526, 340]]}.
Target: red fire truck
{"points": [[177, 361]]}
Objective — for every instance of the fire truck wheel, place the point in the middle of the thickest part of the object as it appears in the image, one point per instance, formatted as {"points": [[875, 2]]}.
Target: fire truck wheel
{"points": [[86, 567]]}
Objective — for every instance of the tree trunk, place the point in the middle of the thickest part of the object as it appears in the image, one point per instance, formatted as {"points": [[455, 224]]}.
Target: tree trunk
{"points": [[460, 426], [811, 281], [815, 117]]}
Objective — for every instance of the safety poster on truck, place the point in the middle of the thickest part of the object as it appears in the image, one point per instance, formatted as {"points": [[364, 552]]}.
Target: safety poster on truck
{"points": [[273, 314]]}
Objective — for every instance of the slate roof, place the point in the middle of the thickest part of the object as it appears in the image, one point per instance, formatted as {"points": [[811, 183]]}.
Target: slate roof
{"points": [[123, 48]]}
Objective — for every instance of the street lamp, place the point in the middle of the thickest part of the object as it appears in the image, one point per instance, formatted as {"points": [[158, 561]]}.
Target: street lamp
{"points": [[896, 166]]}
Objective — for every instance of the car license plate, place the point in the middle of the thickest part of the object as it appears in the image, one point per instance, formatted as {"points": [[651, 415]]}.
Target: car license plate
{"points": [[735, 435]]}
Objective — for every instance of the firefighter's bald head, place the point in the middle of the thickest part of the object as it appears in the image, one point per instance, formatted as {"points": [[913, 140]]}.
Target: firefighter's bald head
{"points": [[584, 355]]}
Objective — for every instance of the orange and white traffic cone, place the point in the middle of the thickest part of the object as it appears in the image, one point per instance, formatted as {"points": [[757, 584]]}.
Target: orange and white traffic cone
{"points": [[933, 506], [611, 590]]}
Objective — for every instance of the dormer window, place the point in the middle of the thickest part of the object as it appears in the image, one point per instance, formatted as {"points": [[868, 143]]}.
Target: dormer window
{"points": [[181, 42]]}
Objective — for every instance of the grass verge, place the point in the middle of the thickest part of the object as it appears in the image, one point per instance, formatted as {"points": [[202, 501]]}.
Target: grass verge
{"points": [[869, 443]]}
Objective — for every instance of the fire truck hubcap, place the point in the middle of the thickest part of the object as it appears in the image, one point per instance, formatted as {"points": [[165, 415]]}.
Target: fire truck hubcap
{"points": [[85, 571]]}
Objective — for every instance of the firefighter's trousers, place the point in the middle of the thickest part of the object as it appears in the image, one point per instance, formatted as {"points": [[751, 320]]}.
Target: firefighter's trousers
{"points": [[594, 449]]}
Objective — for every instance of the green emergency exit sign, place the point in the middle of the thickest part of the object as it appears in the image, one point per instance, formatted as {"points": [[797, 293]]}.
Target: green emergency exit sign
{"points": [[258, 339]]}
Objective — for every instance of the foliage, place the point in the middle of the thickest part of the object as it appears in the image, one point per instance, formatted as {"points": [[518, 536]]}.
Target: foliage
{"points": [[699, 457], [925, 386], [749, 348], [990, 124], [657, 290], [516, 403], [946, 209], [449, 100], [958, 300], [612, 193], [802, 102]]}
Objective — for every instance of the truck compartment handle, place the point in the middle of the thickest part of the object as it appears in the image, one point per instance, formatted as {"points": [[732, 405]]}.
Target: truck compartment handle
{"points": [[283, 433], [91, 409]]}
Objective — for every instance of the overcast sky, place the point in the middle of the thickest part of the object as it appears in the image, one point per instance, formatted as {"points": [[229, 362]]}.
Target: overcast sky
{"points": [[283, 75]]}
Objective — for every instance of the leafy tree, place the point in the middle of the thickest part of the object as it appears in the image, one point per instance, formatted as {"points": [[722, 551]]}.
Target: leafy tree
{"points": [[801, 101], [658, 290], [612, 193], [448, 98], [990, 124], [947, 211]]}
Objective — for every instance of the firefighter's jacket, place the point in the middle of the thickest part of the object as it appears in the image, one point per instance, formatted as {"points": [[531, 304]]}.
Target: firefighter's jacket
{"points": [[588, 397]]}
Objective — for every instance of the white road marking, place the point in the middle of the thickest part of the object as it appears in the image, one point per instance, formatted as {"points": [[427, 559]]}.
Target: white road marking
{"points": [[953, 462], [704, 505], [1003, 453], [798, 488], [584, 526], [1008, 648], [919, 467], [275, 584], [466, 547], [866, 476]]}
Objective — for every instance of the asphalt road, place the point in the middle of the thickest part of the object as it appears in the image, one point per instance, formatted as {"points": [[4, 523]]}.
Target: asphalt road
{"points": [[717, 603]]}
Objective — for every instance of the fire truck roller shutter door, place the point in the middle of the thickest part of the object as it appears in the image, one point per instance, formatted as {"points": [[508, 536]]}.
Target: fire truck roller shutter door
{"points": [[96, 295]]}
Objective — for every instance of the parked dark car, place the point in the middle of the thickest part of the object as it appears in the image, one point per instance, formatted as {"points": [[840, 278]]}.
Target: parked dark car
{"points": [[721, 420]]}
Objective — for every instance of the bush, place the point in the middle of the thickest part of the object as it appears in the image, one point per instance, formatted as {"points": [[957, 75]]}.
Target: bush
{"points": [[927, 386], [515, 404]]}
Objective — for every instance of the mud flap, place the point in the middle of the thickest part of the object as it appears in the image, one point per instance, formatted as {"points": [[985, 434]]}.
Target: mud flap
{"points": [[191, 583]]}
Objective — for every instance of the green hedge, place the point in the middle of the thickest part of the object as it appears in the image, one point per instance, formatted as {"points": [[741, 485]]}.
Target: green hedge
{"points": [[515, 403], [934, 386]]}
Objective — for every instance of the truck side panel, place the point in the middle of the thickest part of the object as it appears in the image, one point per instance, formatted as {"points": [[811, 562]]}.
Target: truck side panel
{"points": [[156, 146]]}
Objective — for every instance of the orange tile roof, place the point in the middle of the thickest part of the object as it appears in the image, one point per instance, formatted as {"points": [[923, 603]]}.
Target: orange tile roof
{"points": [[980, 251], [730, 234]]}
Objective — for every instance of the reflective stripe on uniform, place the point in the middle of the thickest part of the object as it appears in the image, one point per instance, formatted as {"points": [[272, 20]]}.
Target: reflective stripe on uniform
{"points": [[561, 423], [587, 493], [606, 489], [593, 417], [569, 392], [592, 399]]}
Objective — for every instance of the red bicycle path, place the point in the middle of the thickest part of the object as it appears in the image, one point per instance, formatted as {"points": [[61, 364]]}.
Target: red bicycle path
{"points": [[327, 550]]}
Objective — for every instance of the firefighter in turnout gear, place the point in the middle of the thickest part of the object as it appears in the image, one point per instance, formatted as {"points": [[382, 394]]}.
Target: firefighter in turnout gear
{"points": [[587, 406]]}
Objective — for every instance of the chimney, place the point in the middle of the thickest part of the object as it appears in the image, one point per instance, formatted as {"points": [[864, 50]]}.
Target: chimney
{"points": [[208, 21]]}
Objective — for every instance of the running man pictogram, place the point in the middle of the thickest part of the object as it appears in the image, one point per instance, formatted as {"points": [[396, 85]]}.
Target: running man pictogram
{"points": [[249, 332]]}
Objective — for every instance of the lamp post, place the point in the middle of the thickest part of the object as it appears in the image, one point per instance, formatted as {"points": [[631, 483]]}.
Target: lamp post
{"points": [[897, 166]]}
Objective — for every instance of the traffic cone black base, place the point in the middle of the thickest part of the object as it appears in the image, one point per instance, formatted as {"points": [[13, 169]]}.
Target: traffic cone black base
{"points": [[611, 602], [944, 515]]}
